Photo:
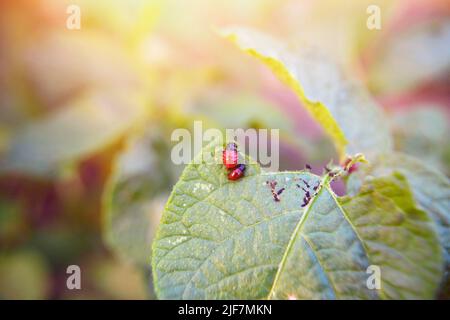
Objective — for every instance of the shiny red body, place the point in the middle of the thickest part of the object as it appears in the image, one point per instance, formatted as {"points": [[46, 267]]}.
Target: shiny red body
{"points": [[230, 156], [237, 172]]}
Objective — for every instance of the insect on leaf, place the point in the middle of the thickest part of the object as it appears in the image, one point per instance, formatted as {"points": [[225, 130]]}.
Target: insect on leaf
{"points": [[220, 239]]}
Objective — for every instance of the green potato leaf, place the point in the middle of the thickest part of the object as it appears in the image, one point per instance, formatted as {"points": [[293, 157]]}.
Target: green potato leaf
{"points": [[343, 107], [232, 240], [431, 190]]}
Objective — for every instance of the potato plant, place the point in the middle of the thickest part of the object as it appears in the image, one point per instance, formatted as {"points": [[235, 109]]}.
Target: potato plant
{"points": [[221, 239]]}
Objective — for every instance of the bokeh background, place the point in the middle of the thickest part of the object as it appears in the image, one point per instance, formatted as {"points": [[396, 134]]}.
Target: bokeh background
{"points": [[86, 116]]}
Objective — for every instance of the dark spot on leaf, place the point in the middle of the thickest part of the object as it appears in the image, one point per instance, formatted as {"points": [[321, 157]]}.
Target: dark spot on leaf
{"points": [[275, 194]]}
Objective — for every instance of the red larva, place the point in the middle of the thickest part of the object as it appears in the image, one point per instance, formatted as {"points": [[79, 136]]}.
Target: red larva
{"points": [[230, 159], [230, 156], [237, 172]]}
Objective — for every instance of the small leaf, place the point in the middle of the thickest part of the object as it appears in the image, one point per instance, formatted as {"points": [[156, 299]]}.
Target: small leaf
{"points": [[344, 108], [431, 190], [234, 240], [396, 233]]}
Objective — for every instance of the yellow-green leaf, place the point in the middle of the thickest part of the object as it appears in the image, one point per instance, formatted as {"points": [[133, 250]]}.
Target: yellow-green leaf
{"points": [[343, 107]]}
